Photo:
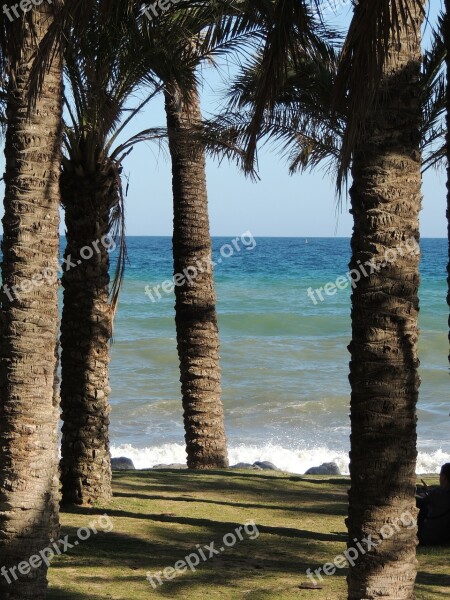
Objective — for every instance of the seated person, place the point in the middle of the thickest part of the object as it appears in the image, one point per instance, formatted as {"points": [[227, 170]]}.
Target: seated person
{"points": [[434, 515]]}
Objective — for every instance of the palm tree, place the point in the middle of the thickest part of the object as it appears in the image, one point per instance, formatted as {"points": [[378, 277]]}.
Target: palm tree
{"points": [[375, 128], [101, 80], [105, 65], [212, 29], [203, 34], [195, 297], [380, 68], [195, 307], [28, 332]]}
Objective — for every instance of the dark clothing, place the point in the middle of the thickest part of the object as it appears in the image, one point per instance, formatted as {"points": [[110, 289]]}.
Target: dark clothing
{"points": [[434, 518]]}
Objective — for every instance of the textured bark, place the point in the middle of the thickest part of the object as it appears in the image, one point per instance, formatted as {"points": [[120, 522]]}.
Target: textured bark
{"points": [[386, 199], [447, 45], [29, 485], [86, 330], [195, 305]]}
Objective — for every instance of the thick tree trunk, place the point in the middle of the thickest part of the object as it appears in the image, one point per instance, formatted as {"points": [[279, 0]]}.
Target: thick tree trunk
{"points": [[386, 199], [195, 306], [29, 322], [86, 330], [447, 45]]}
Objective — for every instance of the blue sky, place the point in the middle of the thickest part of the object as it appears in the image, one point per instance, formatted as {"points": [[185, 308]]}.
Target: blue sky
{"points": [[278, 205]]}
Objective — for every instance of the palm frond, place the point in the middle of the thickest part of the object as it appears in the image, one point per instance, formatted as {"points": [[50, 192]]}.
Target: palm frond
{"points": [[300, 125], [434, 90]]}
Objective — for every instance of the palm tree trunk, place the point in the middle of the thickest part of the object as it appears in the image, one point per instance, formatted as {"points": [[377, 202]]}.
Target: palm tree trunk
{"points": [[386, 199], [86, 330], [195, 305], [29, 320], [447, 45]]}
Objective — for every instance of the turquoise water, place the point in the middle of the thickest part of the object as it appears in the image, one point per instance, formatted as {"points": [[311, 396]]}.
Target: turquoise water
{"points": [[284, 358]]}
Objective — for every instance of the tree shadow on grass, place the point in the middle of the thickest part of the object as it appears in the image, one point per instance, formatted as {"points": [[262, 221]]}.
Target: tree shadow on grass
{"points": [[437, 579], [254, 487], [145, 540], [220, 525], [223, 526], [58, 593], [328, 508], [125, 558]]}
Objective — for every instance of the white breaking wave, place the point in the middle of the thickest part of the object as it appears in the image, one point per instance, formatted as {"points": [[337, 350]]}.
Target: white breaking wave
{"points": [[291, 460]]}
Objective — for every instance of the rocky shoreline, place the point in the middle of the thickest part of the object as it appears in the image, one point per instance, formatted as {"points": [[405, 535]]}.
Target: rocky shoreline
{"points": [[123, 464]]}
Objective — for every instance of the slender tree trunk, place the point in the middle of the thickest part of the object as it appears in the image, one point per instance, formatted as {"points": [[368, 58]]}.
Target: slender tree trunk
{"points": [[195, 305], [86, 330], [386, 199], [447, 45], [29, 321]]}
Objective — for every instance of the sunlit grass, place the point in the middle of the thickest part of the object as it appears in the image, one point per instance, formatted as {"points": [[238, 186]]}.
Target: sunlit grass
{"points": [[160, 516]]}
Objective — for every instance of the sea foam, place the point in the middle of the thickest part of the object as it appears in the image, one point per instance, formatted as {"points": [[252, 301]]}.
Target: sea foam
{"points": [[292, 460]]}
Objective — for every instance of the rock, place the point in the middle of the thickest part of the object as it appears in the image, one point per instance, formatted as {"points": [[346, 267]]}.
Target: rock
{"points": [[122, 464], [330, 468], [172, 466], [244, 465], [265, 465], [308, 585]]}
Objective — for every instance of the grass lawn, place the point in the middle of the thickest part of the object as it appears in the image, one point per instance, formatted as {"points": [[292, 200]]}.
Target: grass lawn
{"points": [[159, 517]]}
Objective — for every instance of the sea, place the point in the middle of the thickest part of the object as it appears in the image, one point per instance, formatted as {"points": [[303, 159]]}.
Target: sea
{"points": [[284, 355]]}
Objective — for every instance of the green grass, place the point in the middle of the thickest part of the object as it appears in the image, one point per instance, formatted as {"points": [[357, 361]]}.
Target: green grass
{"points": [[160, 516]]}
